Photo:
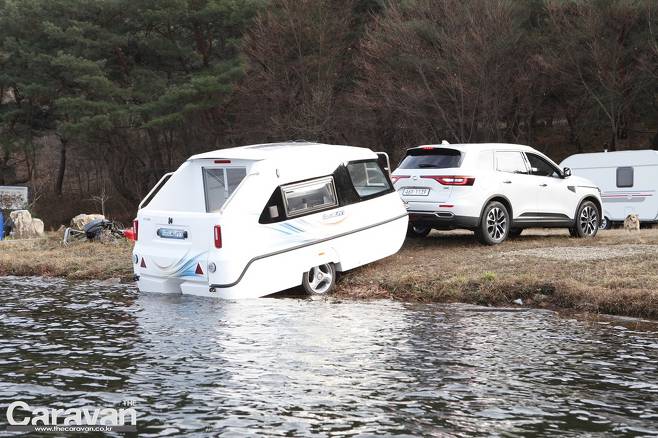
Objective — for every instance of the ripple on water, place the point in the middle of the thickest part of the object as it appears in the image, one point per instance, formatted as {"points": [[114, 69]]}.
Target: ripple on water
{"points": [[299, 367]]}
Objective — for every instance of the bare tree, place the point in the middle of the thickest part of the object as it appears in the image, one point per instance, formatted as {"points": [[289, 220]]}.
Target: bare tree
{"points": [[296, 51], [101, 199], [450, 70], [598, 50]]}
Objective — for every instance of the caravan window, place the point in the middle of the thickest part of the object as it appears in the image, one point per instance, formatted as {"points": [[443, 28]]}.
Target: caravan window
{"points": [[625, 177], [309, 196], [368, 178], [219, 184]]}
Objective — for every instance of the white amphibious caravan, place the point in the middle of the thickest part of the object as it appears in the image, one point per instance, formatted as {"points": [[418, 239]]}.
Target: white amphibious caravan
{"points": [[628, 181], [254, 220]]}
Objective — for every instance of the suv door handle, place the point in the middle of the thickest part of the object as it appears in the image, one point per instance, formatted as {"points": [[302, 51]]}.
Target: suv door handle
{"points": [[543, 185], [507, 182]]}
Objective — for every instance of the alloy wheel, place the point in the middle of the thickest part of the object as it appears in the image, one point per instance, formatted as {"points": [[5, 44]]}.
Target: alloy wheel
{"points": [[320, 278], [496, 223], [589, 218]]}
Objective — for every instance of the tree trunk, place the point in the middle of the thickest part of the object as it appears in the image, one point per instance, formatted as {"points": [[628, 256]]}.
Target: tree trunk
{"points": [[62, 168]]}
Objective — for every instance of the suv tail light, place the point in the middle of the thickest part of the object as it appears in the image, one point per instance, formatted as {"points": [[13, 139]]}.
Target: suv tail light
{"points": [[135, 230], [396, 178], [218, 236], [452, 180]]}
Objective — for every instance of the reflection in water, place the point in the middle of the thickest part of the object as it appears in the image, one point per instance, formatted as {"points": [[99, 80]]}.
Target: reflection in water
{"points": [[299, 367]]}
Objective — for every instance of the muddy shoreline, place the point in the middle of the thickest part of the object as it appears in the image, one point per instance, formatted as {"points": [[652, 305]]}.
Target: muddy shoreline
{"points": [[615, 273]]}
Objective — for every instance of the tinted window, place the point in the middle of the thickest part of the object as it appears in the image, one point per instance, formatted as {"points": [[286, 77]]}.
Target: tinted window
{"points": [[302, 198], [368, 178], [432, 158], [541, 167], [625, 177], [219, 184], [512, 162]]}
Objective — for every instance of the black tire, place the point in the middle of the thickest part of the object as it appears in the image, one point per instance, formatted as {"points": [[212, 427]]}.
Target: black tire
{"points": [[587, 221], [418, 230], [606, 223], [515, 232], [494, 224], [320, 280]]}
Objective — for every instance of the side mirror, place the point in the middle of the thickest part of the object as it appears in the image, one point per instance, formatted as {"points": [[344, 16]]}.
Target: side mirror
{"points": [[566, 172]]}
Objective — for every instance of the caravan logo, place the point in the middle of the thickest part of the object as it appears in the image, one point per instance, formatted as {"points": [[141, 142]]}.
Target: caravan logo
{"points": [[23, 418]]}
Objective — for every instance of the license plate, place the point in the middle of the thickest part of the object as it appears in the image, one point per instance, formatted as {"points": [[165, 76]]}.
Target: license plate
{"points": [[168, 233], [415, 192]]}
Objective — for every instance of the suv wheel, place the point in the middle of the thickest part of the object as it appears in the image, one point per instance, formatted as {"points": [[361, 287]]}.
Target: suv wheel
{"points": [[417, 230], [587, 221], [494, 224]]}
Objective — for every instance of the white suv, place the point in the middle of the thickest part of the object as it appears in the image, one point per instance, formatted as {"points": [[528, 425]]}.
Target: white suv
{"points": [[496, 190]]}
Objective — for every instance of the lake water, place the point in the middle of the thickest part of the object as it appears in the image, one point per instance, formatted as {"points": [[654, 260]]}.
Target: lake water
{"points": [[293, 366]]}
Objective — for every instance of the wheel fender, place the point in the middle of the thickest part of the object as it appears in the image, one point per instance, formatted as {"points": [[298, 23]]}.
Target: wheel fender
{"points": [[320, 256], [488, 200], [596, 202]]}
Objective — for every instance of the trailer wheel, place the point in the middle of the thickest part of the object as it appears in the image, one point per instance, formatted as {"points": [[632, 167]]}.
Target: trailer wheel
{"points": [[320, 279], [606, 224]]}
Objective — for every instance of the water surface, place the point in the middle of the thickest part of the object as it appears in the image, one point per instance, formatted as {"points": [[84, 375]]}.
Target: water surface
{"points": [[199, 367]]}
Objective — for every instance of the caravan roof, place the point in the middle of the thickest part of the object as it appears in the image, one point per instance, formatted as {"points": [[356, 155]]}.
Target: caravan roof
{"points": [[293, 151], [612, 159]]}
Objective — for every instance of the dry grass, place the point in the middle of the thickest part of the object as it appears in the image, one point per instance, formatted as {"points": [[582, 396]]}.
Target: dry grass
{"points": [[78, 261], [616, 273], [543, 268]]}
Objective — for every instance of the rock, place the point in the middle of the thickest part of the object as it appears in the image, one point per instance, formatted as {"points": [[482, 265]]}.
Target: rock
{"points": [[518, 301], [25, 227], [37, 226], [78, 222]]}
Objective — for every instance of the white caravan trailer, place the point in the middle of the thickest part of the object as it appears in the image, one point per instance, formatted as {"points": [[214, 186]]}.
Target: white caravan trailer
{"points": [[628, 181], [250, 221]]}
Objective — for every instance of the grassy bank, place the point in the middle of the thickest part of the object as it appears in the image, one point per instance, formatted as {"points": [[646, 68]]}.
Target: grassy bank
{"points": [[616, 273], [77, 261]]}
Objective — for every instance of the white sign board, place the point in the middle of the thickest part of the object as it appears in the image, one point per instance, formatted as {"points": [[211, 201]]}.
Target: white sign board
{"points": [[13, 198]]}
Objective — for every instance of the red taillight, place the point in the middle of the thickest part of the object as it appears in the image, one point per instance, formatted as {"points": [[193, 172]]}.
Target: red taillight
{"points": [[218, 236], [222, 161], [427, 148], [135, 230], [452, 180], [396, 178]]}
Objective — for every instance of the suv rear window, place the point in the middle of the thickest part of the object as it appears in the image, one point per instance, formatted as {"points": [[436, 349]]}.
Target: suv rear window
{"points": [[434, 158]]}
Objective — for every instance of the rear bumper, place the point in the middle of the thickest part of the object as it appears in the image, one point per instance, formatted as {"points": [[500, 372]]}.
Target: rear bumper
{"points": [[443, 219]]}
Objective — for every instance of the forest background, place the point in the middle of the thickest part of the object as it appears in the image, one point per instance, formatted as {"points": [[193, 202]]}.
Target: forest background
{"points": [[100, 98]]}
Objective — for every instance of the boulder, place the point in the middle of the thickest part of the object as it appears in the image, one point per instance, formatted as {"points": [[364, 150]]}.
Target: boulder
{"points": [[78, 222], [37, 225], [24, 226]]}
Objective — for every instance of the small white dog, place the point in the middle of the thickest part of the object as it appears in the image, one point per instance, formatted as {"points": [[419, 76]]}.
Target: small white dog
{"points": [[632, 222]]}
